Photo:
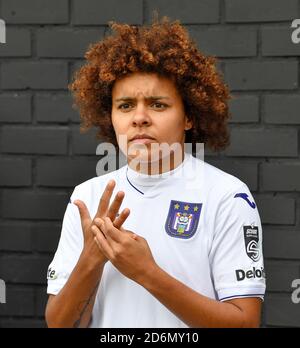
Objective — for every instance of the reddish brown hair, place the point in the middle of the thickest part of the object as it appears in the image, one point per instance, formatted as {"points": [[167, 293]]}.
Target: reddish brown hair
{"points": [[165, 48]]}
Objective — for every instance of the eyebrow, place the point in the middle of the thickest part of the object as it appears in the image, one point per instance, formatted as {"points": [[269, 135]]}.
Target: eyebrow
{"points": [[152, 97]]}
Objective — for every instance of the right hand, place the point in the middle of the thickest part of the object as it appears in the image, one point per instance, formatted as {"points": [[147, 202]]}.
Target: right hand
{"points": [[90, 247]]}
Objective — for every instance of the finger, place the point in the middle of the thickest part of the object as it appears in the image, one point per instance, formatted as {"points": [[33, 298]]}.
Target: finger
{"points": [[115, 206], [99, 223], [130, 233], [110, 231], [103, 244], [98, 227], [96, 223], [118, 222], [105, 198], [99, 246], [95, 231], [84, 214]]}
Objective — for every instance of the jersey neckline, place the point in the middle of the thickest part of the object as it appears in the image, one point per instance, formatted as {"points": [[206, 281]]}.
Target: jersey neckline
{"points": [[150, 185]]}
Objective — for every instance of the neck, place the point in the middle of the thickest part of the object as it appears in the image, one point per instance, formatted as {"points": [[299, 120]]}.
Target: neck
{"points": [[160, 166]]}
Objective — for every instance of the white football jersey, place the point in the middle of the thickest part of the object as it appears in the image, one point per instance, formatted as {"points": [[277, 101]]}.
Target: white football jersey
{"points": [[202, 226]]}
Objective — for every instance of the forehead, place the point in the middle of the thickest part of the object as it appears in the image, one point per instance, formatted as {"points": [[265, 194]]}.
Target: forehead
{"points": [[143, 84]]}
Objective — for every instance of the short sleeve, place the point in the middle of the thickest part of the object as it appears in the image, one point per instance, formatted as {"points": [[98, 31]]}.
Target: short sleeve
{"points": [[69, 248], [236, 254]]}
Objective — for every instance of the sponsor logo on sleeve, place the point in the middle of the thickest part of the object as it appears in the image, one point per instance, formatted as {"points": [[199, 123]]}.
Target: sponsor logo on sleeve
{"points": [[245, 197], [51, 274], [242, 274], [251, 237]]}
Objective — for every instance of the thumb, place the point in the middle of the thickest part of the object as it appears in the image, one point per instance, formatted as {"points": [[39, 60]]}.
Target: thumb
{"points": [[84, 214]]}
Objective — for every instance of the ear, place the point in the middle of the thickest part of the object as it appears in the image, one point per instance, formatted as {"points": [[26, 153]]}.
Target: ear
{"points": [[188, 123]]}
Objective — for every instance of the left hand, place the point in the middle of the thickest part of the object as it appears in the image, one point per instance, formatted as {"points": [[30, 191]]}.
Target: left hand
{"points": [[127, 251]]}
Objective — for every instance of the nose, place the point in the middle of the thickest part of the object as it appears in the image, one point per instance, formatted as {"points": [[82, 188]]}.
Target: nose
{"points": [[141, 116]]}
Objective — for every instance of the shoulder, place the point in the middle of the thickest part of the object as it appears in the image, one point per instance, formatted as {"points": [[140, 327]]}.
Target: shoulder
{"points": [[217, 181]]}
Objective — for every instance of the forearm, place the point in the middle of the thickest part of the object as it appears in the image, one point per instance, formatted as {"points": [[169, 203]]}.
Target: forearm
{"points": [[73, 305], [188, 305]]}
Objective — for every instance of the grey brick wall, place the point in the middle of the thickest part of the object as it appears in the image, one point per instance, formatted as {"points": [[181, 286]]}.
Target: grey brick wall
{"points": [[43, 154]]}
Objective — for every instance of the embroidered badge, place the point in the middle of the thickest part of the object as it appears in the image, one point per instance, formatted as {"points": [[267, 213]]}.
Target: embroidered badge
{"points": [[251, 236], [183, 218]]}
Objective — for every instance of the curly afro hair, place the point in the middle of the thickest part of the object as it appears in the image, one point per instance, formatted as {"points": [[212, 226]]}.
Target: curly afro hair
{"points": [[165, 48]]}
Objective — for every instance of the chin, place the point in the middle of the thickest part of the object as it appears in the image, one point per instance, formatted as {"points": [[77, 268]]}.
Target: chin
{"points": [[141, 156]]}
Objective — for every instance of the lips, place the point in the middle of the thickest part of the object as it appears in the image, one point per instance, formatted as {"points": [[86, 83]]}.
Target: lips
{"points": [[142, 136]]}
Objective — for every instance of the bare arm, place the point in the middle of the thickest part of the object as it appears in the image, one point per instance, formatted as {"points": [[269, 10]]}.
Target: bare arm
{"points": [[197, 310], [73, 305]]}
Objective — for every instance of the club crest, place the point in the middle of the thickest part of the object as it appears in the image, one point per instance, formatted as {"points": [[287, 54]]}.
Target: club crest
{"points": [[183, 218], [251, 236]]}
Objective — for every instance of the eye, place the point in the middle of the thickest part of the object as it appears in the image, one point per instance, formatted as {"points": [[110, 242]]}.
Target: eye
{"points": [[121, 106], [157, 103], [126, 106]]}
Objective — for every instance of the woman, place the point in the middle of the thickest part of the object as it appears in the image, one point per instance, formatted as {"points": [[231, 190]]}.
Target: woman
{"points": [[180, 245]]}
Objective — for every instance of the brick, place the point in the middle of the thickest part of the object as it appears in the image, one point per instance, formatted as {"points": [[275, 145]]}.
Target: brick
{"points": [[282, 109], [55, 108], [66, 43], [281, 244], [35, 11], [278, 42], [25, 269], [41, 301], [244, 109], [109, 163], [35, 140], [260, 10], [271, 75], [15, 108], [209, 153], [75, 117], [281, 274], [193, 12], [34, 75], [33, 205], [281, 311], [29, 238], [280, 176], [15, 237], [84, 143], [15, 172], [263, 142], [247, 172], [45, 237], [225, 42], [76, 65], [23, 323], [100, 12], [17, 43], [19, 301], [64, 172], [276, 210]]}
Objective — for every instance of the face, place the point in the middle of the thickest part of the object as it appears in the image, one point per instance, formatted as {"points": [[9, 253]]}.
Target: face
{"points": [[148, 105]]}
